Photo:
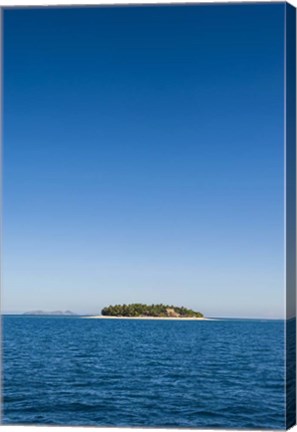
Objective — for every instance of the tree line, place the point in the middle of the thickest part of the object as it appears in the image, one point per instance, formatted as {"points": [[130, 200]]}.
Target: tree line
{"points": [[154, 310]]}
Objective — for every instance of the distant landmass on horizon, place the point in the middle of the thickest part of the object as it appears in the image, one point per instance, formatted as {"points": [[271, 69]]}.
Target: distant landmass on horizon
{"points": [[41, 312]]}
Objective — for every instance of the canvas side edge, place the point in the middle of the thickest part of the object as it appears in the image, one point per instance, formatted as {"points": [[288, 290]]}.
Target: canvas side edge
{"points": [[290, 214]]}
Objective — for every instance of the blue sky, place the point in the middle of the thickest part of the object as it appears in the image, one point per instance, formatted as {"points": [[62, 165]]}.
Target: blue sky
{"points": [[143, 158]]}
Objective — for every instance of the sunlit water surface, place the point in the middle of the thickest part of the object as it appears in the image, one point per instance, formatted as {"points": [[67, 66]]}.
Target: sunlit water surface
{"points": [[74, 371]]}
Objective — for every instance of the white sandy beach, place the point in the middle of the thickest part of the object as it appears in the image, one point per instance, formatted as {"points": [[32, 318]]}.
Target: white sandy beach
{"points": [[149, 318]]}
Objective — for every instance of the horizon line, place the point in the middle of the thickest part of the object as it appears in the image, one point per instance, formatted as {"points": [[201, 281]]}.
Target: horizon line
{"points": [[45, 312]]}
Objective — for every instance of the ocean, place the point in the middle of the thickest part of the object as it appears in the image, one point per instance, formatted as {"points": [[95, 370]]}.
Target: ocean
{"points": [[192, 374]]}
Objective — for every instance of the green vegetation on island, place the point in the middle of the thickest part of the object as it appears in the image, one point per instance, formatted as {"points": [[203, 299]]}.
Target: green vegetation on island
{"points": [[155, 310]]}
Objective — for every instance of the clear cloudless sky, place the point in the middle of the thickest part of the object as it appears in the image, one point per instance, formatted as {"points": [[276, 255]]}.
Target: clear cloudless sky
{"points": [[143, 158]]}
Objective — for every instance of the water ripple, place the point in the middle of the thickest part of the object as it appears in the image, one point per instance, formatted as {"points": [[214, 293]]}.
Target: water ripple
{"points": [[70, 371]]}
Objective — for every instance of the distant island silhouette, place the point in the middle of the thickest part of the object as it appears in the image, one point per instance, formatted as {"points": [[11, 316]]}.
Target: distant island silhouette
{"points": [[155, 310], [41, 312]]}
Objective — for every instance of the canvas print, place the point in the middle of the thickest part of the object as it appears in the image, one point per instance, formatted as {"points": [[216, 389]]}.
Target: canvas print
{"points": [[149, 216]]}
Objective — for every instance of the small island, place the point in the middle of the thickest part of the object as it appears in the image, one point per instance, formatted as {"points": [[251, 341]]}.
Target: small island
{"points": [[139, 310]]}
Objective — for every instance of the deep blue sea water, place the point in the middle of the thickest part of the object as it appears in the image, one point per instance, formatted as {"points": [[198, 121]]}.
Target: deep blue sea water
{"points": [[74, 371]]}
